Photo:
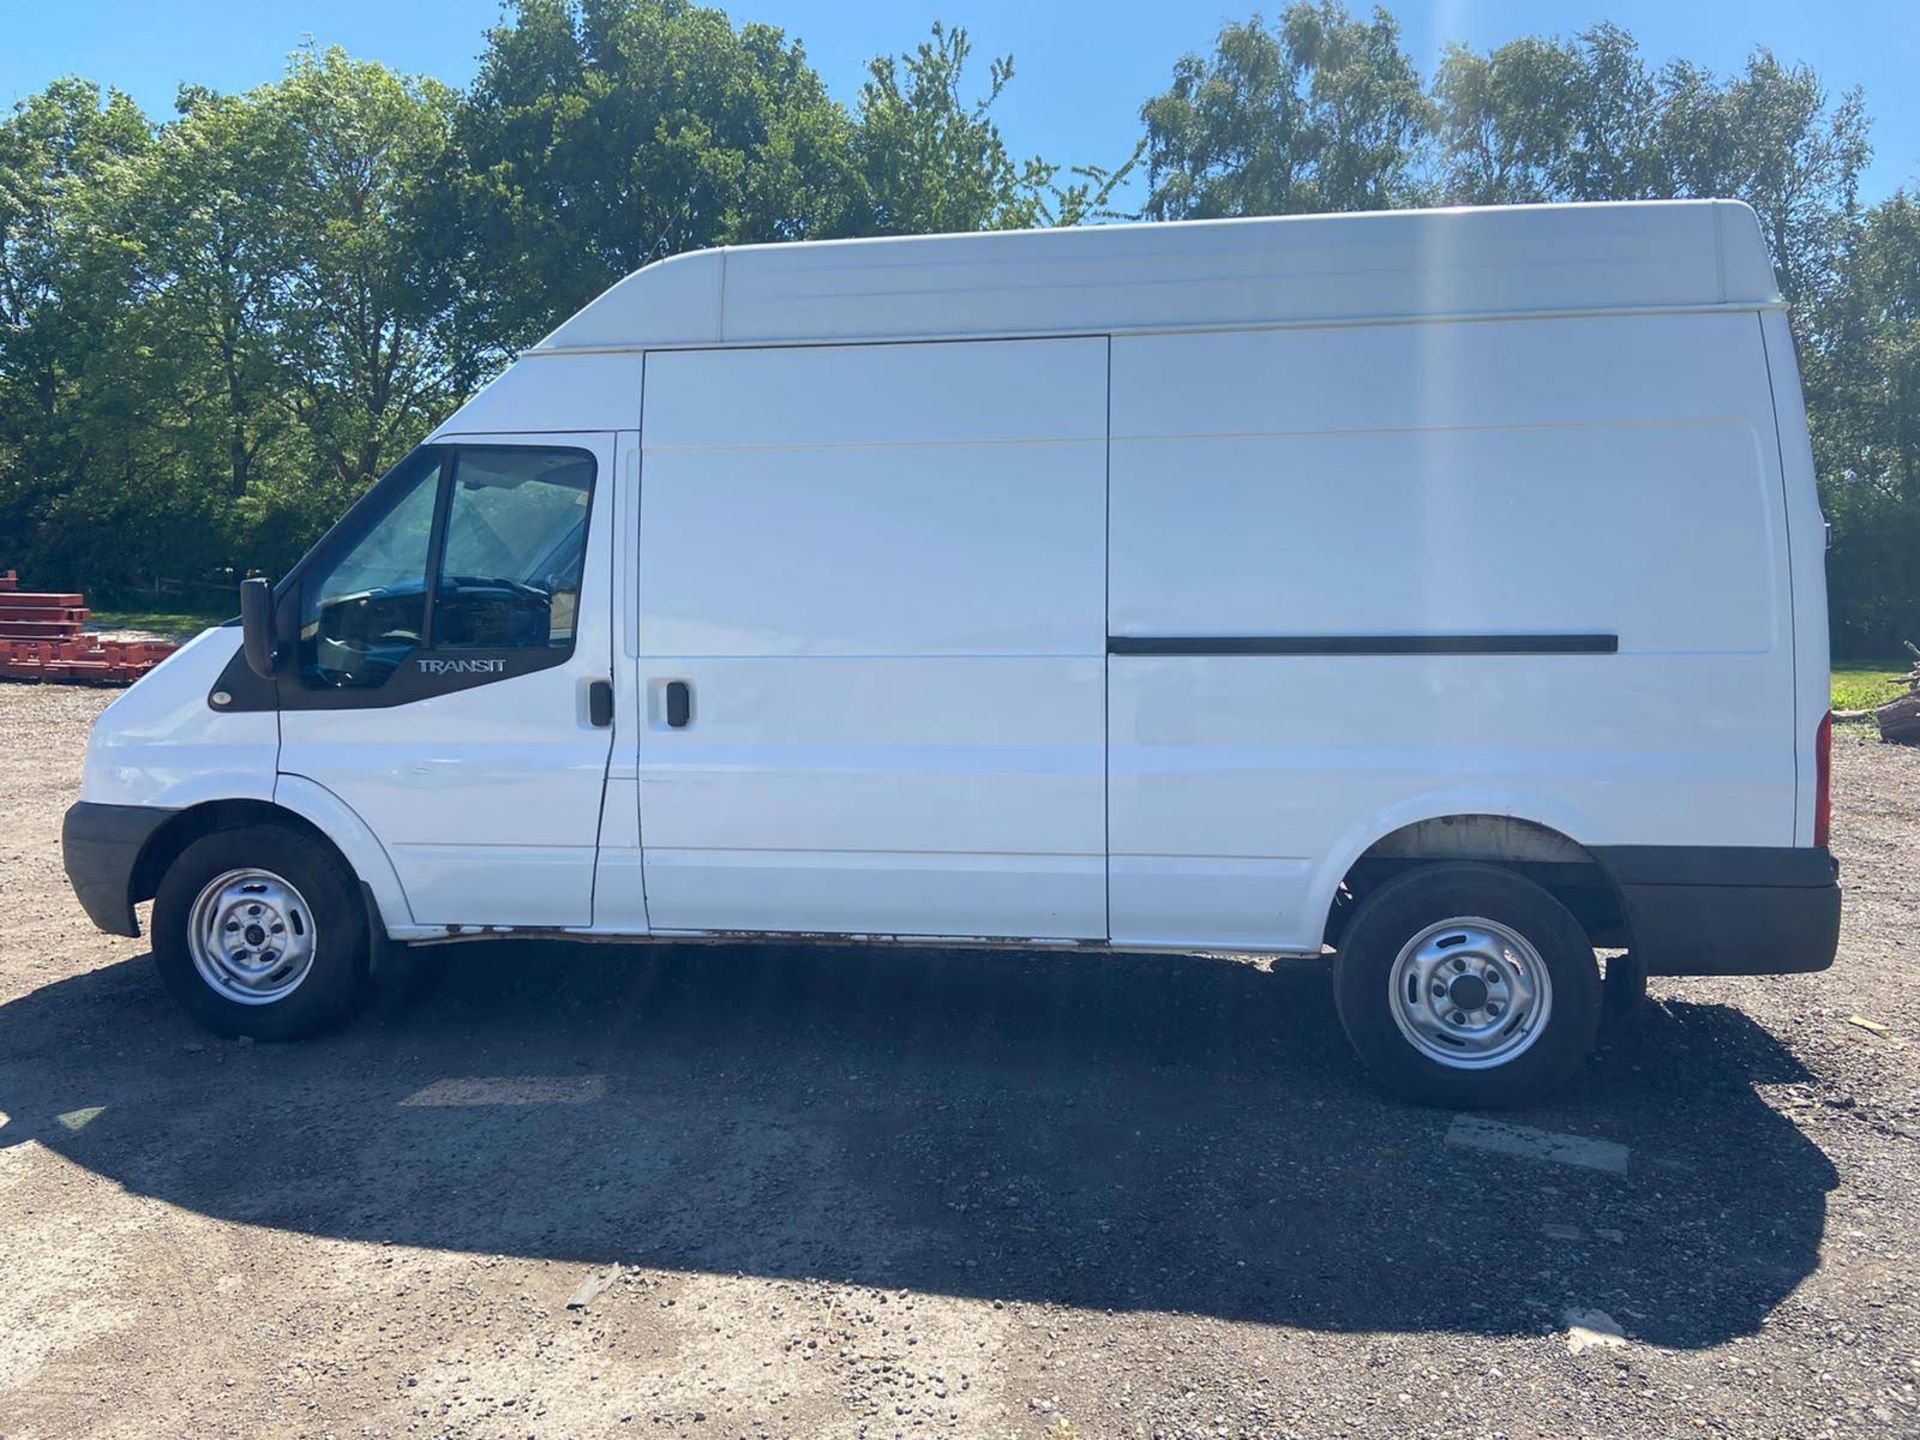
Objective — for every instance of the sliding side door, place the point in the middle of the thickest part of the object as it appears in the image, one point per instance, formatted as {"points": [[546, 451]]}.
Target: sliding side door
{"points": [[872, 596]]}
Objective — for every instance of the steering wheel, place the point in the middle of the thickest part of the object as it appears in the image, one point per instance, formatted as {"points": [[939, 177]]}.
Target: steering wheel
{"points": [[531, 593]]}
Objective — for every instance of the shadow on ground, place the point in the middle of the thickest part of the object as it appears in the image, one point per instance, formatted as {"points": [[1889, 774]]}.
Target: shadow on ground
{"points": [[1101, 1131]]}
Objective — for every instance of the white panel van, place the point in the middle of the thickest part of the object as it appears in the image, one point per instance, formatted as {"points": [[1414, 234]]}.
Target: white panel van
{"points": [[1438, 591]]}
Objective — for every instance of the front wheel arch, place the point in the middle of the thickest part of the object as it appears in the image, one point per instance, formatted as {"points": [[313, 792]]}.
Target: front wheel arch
{"points": [[171, 840], [167, 843]]}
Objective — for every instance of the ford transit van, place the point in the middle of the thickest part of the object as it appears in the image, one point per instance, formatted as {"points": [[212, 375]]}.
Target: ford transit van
{"points": [[1439, 593]]}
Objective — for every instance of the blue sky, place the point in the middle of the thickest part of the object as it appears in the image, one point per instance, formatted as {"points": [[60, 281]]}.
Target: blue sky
{"points": [[1082, 66]]}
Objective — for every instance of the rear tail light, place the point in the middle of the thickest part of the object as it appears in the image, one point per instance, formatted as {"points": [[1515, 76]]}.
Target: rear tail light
{"points": [[1823, 782]]}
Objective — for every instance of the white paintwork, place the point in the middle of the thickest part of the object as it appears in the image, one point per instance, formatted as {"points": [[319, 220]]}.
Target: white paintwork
{"points": [[159, 743], [487, 800], [880, 570], [1110, 279], [888, 572], [358, 845], [619, 886], [1807, 540], [1612, 475], [567, 393]]}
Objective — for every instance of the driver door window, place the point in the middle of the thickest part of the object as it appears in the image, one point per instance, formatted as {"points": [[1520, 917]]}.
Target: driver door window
{"points": [[516, 532], [458, 549]]}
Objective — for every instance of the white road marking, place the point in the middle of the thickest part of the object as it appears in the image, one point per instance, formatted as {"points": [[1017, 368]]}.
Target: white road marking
{"points": [[78, 1119], [1470, 1132], [594, 1286], [511, 1090], [1591, 1330]]}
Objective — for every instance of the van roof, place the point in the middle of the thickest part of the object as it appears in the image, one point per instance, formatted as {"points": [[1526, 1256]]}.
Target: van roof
{"points": [[1506, 260]]}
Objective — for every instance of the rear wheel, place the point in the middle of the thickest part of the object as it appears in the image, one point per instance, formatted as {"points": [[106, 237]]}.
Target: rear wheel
{"points": [[259, 931], [1465, 985]]}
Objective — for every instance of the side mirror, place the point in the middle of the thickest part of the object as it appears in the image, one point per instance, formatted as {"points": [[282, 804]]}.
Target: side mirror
{"points": [[257, 640]]}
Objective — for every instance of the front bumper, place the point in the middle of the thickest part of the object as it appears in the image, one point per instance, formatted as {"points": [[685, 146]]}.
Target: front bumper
{"points": [[1728, 910], [100, 846]]}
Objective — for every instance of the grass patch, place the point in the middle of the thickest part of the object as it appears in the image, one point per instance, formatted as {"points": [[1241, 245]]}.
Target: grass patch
{"points": [[1863, 684], [175, 624]]}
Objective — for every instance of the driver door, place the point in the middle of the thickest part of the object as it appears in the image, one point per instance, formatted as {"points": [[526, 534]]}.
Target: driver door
{"points": [[450, 630]]}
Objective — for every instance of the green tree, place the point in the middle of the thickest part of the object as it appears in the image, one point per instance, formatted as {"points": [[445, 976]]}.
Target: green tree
{"points": [[219, 330], [1547, 119], [1506, 121], [929, 161], [270, 327], [365, 332], [603, 134], [56, 405], [213, 332], [1319, 112], [200, 220], [1863, 381]]}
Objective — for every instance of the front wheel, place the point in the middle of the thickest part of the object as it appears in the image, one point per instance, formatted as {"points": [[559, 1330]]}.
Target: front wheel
{"points": [[1467, 986], [258, 931]]}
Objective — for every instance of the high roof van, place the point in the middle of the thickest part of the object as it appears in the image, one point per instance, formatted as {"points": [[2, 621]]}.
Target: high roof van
{"points": [[1437, 592]]}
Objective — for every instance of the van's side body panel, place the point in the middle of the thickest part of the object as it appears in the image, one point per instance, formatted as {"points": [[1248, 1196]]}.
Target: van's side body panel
{"points": [[880, 573], [1573, 484]]}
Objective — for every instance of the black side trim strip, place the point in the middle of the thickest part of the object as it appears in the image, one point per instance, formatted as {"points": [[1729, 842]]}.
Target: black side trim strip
{"points": [[1363, 644]]}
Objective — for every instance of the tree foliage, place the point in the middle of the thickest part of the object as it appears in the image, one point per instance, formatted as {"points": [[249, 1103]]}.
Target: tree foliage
{"points": [[218, 327], [1316, 112], [1863, 377], [604, 134], [62, 393], [929, 160]]}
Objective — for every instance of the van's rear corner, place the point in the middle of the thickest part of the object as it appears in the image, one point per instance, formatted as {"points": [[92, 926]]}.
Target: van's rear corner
{"points": [[1759, 909], [1728, 910]]}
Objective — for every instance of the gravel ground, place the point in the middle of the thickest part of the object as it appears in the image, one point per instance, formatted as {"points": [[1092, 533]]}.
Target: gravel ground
{"points": [[834, 1192]]}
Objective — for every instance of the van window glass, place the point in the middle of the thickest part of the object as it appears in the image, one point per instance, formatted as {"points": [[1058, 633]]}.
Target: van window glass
{"points": [[365, 612], [516, 539]]}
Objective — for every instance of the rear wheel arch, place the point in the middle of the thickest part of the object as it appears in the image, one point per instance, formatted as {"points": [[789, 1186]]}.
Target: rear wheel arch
{"points": [[1536, 851]]}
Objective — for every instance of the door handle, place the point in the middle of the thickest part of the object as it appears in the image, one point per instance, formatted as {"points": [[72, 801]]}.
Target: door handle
{"points": [[679, 704], [600, 702]]}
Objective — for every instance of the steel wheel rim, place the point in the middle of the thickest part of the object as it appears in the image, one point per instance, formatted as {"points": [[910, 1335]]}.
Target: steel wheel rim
{"points": [[1470, 993], [251, 936]]}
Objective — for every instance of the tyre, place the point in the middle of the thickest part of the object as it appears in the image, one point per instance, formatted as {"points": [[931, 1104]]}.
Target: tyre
{"points": [[1466, 986], [260, 931]]}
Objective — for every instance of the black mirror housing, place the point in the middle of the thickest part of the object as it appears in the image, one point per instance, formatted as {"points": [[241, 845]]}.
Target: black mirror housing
{"points": [[257, 640]]}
